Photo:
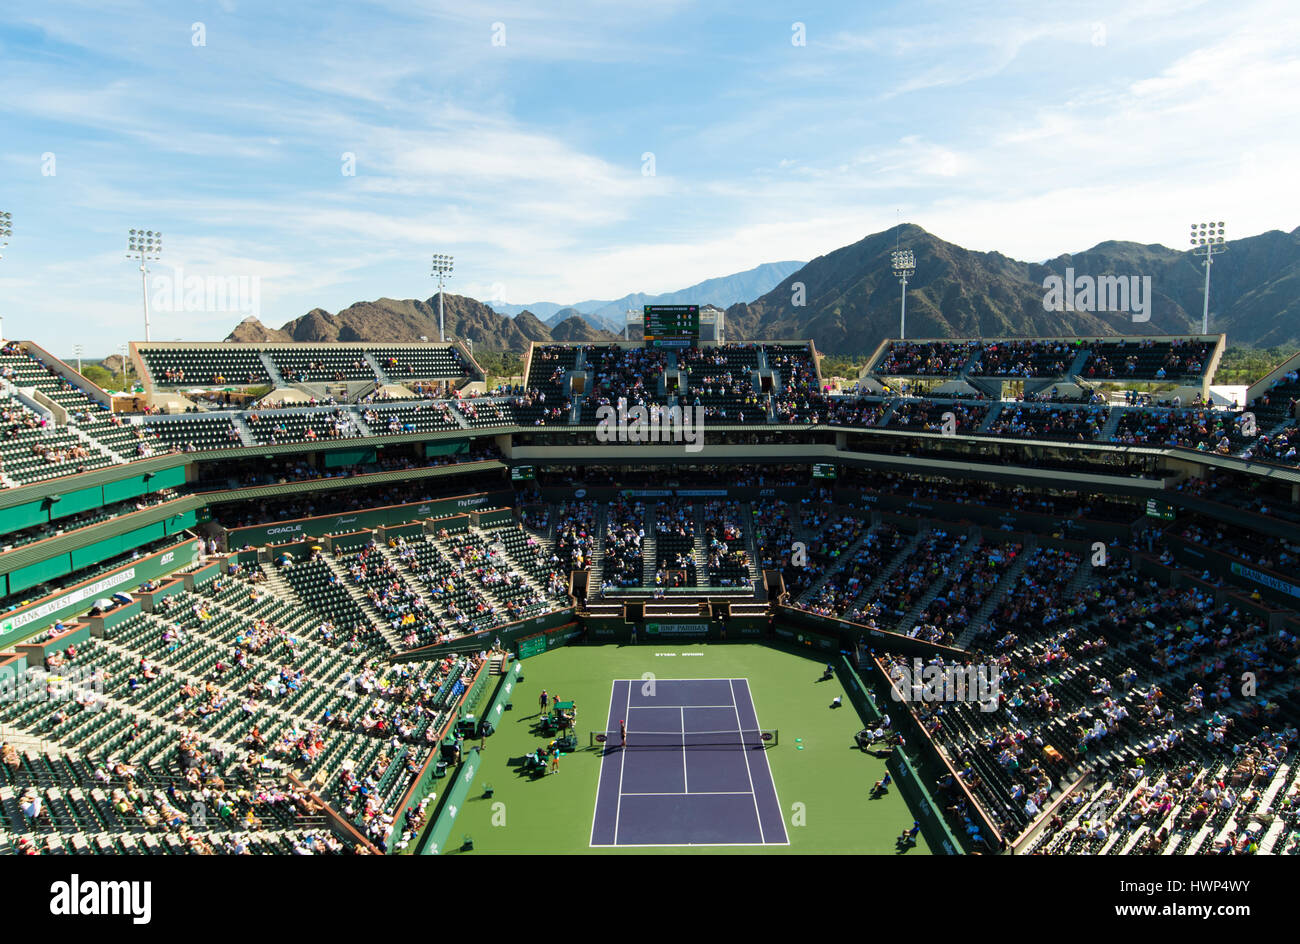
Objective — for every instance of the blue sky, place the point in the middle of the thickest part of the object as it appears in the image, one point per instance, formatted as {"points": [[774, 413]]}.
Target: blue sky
{"points": [[512, 135]]}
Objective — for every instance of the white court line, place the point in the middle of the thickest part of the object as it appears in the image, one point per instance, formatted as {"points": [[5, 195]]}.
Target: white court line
{"points": [[770, 779], [752, 793], [595, 806], [759, 816], [697, 793], [622, 762], [686, 777], [689, 845]]}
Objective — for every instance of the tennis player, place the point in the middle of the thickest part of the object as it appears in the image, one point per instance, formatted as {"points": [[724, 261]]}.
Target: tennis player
{"points": [[622, 732]]}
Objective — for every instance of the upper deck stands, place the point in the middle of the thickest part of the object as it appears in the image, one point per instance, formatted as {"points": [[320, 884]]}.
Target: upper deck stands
{"points": [[1176, 359], [183, 366], [769, 384]]}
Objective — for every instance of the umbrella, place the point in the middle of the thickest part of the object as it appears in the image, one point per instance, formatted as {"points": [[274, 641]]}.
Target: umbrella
{"points": [[104, 603]]}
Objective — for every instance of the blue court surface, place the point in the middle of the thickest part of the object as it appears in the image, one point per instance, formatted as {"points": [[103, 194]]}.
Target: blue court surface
{"points": [[693, 770]]}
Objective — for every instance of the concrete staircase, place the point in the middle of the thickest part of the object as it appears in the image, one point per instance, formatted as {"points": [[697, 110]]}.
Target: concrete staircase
{"points": [[701, 549], [1076, 365], [277, 379], [845, 558], [245, 432], [953, 561], [980, 621], [888, 570], [404, 573], [649, 547], [751, 542], [280, 587], [94, 445], [598, 545], [888, 415], [359, 419], [992, 416], [1112, 424], [380, 377], [377, 618]]}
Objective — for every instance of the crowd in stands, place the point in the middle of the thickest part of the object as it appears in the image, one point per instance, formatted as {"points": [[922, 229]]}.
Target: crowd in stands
{"points": [[928, 416], [624, 532], [910, 358], [1024, 358], [1077, 424]]}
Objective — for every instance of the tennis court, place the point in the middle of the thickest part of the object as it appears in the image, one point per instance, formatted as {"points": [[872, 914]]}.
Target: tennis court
{"points": [[693, 769]]}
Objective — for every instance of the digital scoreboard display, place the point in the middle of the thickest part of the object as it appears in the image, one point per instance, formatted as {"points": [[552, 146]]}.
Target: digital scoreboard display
{"points": [[523, 473], [672, 325], [1159, 509], [824, 470]]}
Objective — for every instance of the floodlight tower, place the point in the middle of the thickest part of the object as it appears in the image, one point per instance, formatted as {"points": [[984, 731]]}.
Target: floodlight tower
{"points": [[145, 245], [1207, 241], [6, 230], [442, 266], [904, 267]]}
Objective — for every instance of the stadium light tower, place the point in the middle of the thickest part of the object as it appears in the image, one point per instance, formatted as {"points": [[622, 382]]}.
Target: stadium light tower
{"points": [[145, 245], [6, 230], [904, 268], [1207, 241], [442, 266]]}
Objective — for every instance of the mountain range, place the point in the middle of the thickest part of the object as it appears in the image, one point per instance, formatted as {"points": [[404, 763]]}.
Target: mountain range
{"points": [[609, 315], [847, 301]]}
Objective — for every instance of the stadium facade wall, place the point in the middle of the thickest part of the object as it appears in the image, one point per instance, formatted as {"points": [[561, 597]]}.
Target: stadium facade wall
{"points": [[31, 618]]}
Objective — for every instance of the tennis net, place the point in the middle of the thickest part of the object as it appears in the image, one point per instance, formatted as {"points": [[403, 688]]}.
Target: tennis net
{"points": [[756, 739]]}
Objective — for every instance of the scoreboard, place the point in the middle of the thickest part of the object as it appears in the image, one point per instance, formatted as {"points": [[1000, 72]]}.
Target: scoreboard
{"points": [[672, 325]]}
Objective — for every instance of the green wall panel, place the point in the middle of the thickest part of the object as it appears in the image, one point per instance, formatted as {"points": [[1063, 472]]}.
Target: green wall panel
{"points": [[70, 503], [39, 573], [23, 516]]}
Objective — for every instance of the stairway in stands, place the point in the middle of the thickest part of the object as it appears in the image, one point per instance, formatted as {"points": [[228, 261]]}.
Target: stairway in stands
{"points": [[869, 591], [376, 617], [380, 377], [277, 379], [598, 545], [751, 543], [649, 547], [701, 549], [951, 562], [840, 563], [980, 622], [1112, 424], [281, 587], [990, 417]]}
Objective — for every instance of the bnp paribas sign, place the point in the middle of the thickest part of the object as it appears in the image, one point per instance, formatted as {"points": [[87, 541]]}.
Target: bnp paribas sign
{"points": [[678, 629]]}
